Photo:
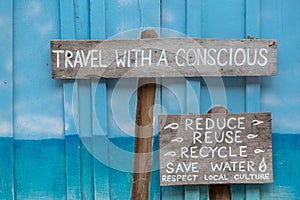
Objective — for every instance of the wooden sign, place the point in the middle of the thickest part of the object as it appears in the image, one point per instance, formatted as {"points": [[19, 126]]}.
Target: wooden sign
{"points": [[167, 57], [215, 149]]}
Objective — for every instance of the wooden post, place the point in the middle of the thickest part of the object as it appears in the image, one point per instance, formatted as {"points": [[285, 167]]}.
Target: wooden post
{"points": [[143, 133], [219, 192]]}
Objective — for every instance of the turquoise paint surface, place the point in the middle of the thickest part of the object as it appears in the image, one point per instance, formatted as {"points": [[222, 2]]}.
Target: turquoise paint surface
{"points": [[40, 168], [281, 94], [38, 102]]}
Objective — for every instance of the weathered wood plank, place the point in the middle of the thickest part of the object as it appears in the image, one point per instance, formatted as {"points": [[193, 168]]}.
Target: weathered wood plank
{"points": [[194, 149], [253, 22], [169, 57], [223, 191]]}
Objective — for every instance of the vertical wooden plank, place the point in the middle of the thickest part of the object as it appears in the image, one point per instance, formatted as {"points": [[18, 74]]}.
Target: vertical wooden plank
{"points": [[279, 19], [123, 20], [252, 24], [173, 24], [193, 85], [286, 155], [72, 141], [37, 104], [82, 24], [227, 92], [6, 106], [85, 131], [99, 113]]}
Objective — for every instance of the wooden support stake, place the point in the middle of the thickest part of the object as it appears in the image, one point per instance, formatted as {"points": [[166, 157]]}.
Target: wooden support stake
{"points": [[219, 192], [143, 133]]}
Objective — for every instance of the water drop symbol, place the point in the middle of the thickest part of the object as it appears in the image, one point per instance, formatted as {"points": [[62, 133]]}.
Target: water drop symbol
{"points": [[173, 126], [179, 139], [251, 136], [257, 151], [262, 166], [170, 153], [257, 122]]}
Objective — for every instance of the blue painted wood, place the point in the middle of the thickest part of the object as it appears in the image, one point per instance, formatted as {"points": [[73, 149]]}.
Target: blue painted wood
{"points": [[6, 168], [121, 96], [124, 16], [82, 32], [99, 109], [6, 106], [70, 94], [6, 69], [280, 93], [203, 192], [252, 23], [39, 169], [193, 85], [194, 18], [174, 89], [72, 148], [286, 159], [173, 21], [37, 113], [120, 181], [85, 132]]}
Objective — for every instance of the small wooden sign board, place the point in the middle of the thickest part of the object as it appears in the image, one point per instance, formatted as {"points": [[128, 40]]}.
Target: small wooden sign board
{"points": [[215, 149], [164, 57]]}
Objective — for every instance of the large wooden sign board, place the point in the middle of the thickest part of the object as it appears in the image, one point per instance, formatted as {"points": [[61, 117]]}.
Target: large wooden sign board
{"points": [[166, 57], [215, 149]]}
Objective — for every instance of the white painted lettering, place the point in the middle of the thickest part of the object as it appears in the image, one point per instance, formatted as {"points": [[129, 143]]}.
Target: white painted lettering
{"points": [[163, 58], [176, 57], [57, 56]]}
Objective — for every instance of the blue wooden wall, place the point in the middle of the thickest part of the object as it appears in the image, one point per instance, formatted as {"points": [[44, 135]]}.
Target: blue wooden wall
{"points": [[74, 140]]}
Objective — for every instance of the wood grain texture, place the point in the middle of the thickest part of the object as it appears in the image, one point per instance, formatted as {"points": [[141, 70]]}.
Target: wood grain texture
{"points": [[143, 133], [219, 192], [254, 139], [172, 57], [223, 191]]}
